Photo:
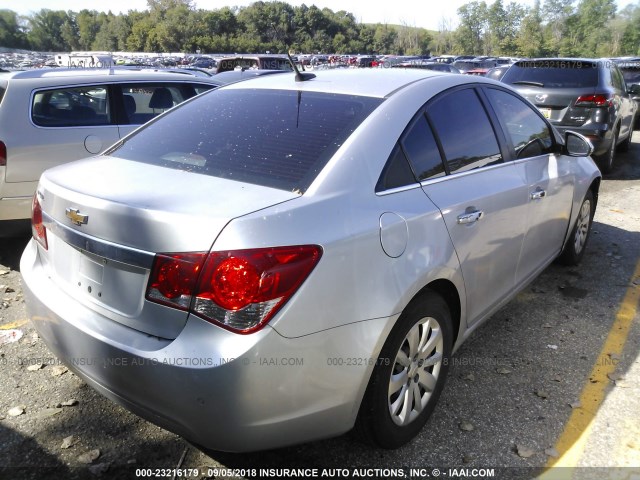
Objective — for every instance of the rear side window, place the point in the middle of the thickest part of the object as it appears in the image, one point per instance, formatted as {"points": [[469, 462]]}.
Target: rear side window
{"points": [[71, 107], [529, 134], [422, 150], [2, 90], [553, 74], [464, 130], [279, 139], [144, 101]]}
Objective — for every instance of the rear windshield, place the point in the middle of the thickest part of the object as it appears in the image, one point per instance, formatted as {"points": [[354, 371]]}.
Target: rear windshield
{"points": [[553, 74], [276, 138]]}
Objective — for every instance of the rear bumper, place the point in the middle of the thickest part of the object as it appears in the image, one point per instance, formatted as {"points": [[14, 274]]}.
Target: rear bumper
{"points": [[220, 390], [15, 208], [15, 198]]}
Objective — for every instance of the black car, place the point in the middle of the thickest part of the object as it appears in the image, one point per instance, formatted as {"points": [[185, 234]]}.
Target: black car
{"points": [[630, 68], [497, 73], [428, 65], [479, 63], [588, 96]]}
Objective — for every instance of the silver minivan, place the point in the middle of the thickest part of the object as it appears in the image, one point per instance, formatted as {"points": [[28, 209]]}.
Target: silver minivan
{"points": [[53, 116]]}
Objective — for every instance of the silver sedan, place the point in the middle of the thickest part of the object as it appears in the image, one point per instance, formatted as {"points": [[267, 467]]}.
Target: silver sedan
{"points": [[284, 259]]}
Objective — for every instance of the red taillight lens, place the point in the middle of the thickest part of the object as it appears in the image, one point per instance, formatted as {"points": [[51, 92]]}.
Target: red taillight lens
{"points": [[594, 100], [239, 290], [3, 155], [38, 230], [242, 290], [174, 278]]}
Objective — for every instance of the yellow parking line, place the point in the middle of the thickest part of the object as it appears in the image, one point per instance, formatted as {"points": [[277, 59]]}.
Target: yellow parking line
{"points": [[12, 325], [577, 430]]}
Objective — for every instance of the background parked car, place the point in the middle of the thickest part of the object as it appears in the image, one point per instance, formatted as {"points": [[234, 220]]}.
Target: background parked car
{"points": [[585, 95], [497, 73], [49, 117], [630, 68], [485, 63], [275, 223], [428, 65], [245, 62]]}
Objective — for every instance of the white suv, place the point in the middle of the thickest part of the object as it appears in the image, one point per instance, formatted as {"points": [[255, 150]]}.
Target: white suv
{"points": [[49, 117]]}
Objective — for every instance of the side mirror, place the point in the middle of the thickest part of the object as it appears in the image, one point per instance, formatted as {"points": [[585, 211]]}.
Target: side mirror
{"points": [[576, 145], [634, 90]]}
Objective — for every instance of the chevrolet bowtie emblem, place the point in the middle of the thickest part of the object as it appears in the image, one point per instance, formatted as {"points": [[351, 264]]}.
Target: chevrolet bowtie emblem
{"points": [[76, 217]]}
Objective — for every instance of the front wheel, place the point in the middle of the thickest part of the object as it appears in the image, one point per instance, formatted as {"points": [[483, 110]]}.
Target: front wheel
{"points": [[409, 375], [577, 242]]}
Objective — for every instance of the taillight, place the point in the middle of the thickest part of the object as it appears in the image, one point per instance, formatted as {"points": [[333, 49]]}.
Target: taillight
{"points": [[594, 100], [38, 230], [174, 278], [240, 290], [3, 155]]}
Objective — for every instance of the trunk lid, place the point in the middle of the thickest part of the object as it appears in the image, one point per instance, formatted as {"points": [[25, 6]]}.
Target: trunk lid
{"points": [[558, 104], [106, 218]]}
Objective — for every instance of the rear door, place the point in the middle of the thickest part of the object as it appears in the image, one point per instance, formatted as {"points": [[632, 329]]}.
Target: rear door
{"points": [[483, 199], [72, 122]]}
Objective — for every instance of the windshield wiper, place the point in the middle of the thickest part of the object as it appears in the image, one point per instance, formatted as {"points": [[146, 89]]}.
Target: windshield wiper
{"points": [[528, 82]]}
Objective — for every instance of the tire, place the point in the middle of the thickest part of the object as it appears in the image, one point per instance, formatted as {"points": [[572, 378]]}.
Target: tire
{"points": [[624, 146], [390, 416], [576, 244], [606, 161]]}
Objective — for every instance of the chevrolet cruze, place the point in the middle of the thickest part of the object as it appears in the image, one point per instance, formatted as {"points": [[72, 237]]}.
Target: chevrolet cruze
{"points": [[284, 259]]}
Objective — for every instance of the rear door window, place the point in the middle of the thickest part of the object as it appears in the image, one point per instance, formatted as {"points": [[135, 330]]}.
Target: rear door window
{"points": [[144, 101], [422, 150], [71, 107], [464, 130]]}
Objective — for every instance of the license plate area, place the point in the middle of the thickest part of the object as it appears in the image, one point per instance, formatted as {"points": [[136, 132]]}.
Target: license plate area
{"points": [[546, 112], [93, 279]]}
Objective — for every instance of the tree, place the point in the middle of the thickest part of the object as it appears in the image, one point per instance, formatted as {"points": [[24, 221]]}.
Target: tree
{"points": [[556, 13], [469, 36], [530, 39], [45, 32], [12, 34]]}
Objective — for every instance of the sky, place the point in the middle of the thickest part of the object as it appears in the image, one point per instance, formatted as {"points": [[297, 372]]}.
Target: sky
{"points": [[414, 13]]}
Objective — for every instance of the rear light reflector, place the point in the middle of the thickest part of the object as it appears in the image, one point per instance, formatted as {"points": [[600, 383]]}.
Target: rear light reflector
{"points": [[38, 230], [240, 290], [3, 155], [594, 100], [174, 277]]}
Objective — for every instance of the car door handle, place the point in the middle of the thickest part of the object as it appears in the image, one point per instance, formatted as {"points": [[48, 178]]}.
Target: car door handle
{"points": [[538, 194], [470, 217]]}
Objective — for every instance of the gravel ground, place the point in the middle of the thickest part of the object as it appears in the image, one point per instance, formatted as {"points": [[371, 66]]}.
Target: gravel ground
{"points": [[511, 390]]}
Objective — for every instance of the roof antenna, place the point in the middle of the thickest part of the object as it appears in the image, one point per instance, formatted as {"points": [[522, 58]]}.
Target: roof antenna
{"points": [[300, 76]]}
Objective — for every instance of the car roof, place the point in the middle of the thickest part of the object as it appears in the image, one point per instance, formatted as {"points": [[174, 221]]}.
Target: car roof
{"points": [[376, 82], [52, 75]]}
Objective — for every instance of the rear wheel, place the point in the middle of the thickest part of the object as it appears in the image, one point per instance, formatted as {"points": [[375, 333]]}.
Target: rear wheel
{"points": [[605, 161], [624, 146], [575, 247], [409, 375]]}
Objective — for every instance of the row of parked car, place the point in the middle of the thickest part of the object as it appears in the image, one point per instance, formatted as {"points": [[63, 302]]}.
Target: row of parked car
{"points": [[599, 98]]}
